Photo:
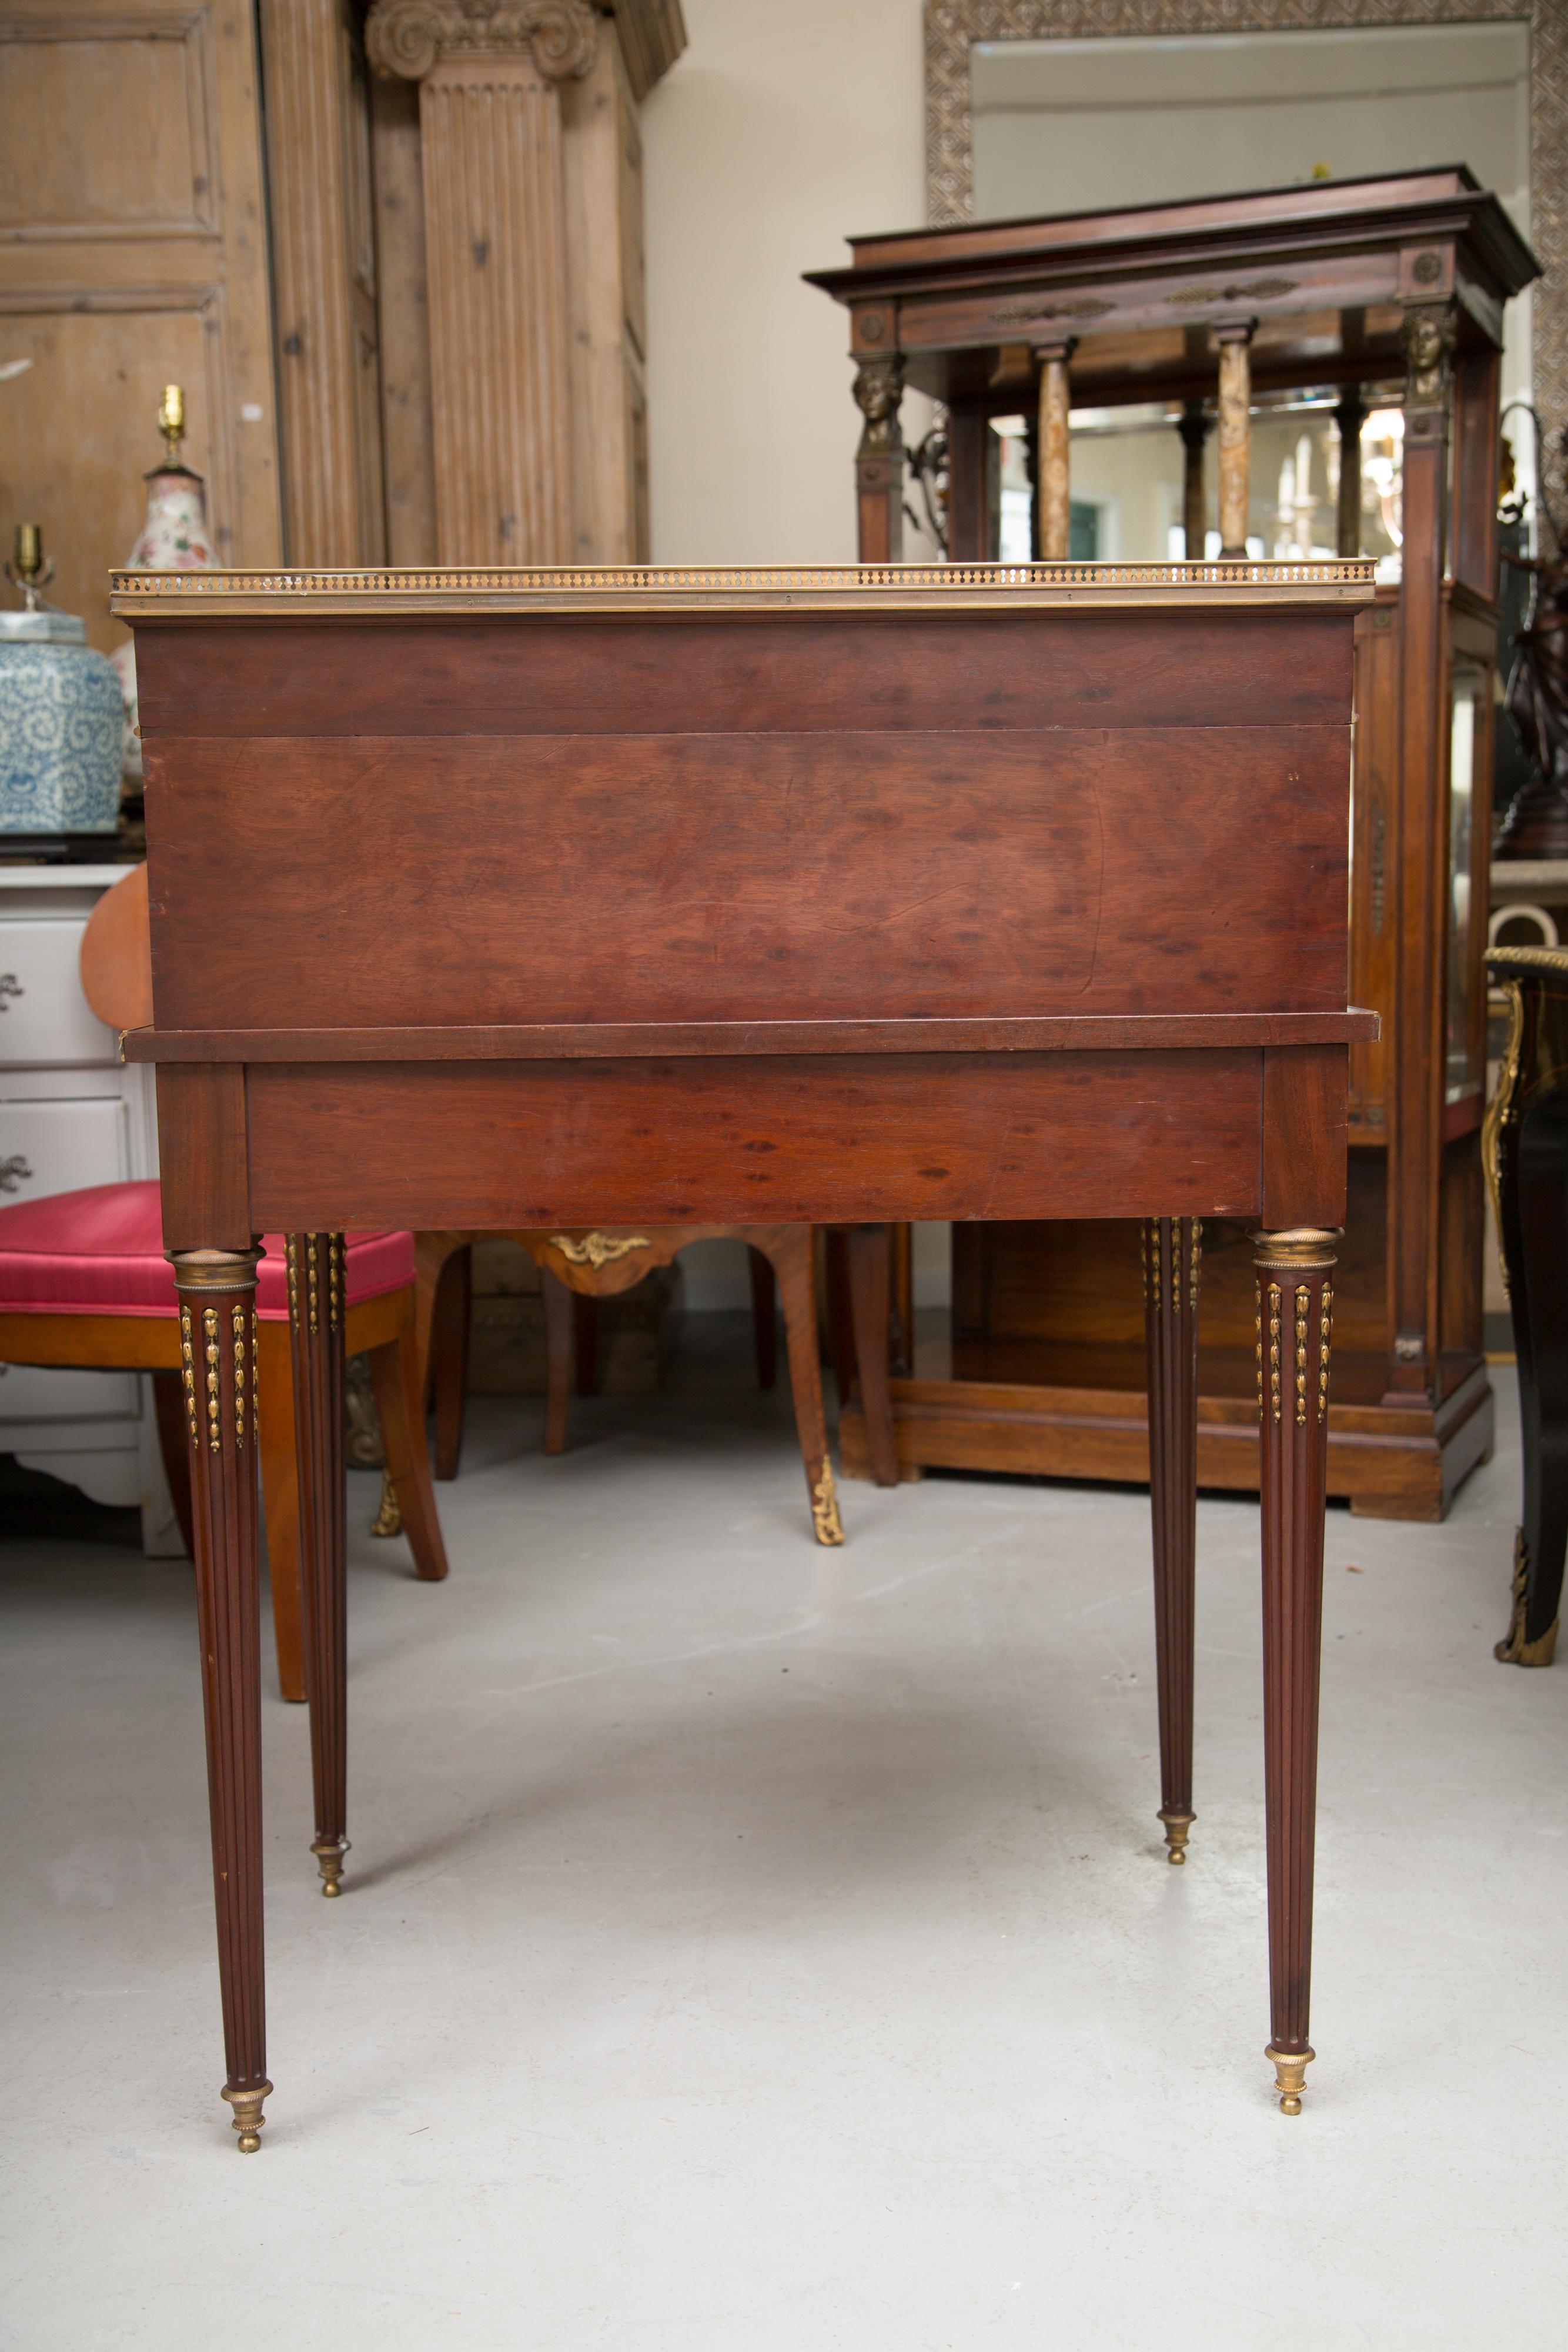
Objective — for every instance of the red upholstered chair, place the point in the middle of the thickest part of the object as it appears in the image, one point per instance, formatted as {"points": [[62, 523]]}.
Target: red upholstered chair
{"points": [[84, 1281]]}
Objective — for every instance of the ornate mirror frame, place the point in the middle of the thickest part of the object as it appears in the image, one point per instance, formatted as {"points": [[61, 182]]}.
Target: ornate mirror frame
{"points": [[952, 26]]}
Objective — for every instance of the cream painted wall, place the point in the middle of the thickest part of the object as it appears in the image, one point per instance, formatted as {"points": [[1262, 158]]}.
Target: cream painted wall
{"points": [[787, 125]]}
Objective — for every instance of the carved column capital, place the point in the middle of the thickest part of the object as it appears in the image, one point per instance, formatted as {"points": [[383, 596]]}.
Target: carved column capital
{"points": [[409, 38]]}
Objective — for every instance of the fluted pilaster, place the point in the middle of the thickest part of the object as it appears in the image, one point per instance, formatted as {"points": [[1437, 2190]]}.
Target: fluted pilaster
{"points": [[322, 282], [495, 226]]}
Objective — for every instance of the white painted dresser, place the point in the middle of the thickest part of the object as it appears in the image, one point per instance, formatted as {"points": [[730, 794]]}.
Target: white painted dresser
{"points": [[70, 1115]]}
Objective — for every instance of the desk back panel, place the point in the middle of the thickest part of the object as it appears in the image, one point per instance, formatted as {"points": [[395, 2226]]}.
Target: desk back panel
{"points": [[527, 816], [773, 1138]]}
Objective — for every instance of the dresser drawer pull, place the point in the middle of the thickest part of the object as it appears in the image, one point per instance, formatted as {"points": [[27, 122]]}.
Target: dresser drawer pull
{"points": [[14, 1172], [9, 986]]}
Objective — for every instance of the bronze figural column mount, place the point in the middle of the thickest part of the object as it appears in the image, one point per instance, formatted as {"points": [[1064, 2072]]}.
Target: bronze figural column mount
{"points": [[880, 460]]}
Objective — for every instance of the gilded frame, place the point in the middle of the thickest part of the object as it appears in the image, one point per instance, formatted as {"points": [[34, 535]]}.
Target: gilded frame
{"points": [[953, 26]]}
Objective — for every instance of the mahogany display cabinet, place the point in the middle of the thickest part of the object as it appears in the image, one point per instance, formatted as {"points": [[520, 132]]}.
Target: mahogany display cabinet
{"points": [[1381, 295]]}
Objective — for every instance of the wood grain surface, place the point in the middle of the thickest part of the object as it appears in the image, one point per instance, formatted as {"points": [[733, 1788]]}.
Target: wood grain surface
{"points": [[906, 673], [859, 1139], [709, 876], [1096, 1032]]}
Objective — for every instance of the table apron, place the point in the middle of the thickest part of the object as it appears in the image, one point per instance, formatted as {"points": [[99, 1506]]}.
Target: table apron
{"points": [[752, 1140]]}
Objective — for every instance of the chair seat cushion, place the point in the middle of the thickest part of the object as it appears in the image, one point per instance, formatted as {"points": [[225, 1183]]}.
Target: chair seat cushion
{"points": [[100, 1252]]}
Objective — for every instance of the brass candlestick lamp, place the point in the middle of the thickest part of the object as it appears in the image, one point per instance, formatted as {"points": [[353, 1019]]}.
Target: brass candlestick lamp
{"points": [[28, 570], [172, 420]]}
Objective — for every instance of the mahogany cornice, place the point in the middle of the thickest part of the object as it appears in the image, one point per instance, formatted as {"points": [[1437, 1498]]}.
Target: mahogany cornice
{"points": [[1271, 225]]}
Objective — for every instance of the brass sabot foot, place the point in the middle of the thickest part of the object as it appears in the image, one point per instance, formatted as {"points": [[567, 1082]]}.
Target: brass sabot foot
{"points": [[248, 2117], [1176, 1828], [329, 1853], [1289, 2076], [825, 1520], [1514, 1650]]}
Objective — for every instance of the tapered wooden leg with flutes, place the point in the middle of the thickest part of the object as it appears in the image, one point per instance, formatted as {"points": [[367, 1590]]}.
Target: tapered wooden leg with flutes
{"points": [[1173, 1248], [217, 1291], [316, 1314], [1295, 1323]]}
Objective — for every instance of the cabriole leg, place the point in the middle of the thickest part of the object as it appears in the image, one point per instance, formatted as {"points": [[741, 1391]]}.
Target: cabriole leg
{"points": [[217, 1291], [1172, 1263], [870, 1304], [316, 1315], [1533, 1220], [793, 1262], [559, 1324], [764, 1315], [1295, 1311], [395, 1377], [449, 1358]]}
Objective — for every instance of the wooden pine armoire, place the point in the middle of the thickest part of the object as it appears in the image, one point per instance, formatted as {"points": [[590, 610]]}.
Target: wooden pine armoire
{"points": [[392, 249], [392, 252], [1382, 293]]}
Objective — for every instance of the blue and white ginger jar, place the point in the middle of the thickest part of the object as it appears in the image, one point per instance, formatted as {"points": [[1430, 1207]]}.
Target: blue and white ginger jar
{"points": [[60, 728]]}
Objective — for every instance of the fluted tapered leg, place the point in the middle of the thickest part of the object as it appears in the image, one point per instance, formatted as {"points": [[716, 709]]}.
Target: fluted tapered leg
{"points": [[317, 1309], [1295, 1311], [1173, 1250], [216, 1292]]}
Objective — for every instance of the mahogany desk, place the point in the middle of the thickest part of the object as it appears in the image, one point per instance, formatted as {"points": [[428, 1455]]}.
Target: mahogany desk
{"points": [[507, 898]]}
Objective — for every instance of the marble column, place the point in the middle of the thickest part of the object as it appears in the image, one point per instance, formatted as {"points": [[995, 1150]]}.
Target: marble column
{"points": [[1234, 435], [1054, 484]]}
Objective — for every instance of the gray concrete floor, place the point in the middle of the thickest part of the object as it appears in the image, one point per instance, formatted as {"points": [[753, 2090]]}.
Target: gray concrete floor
{"points": [[753, 1948]]}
